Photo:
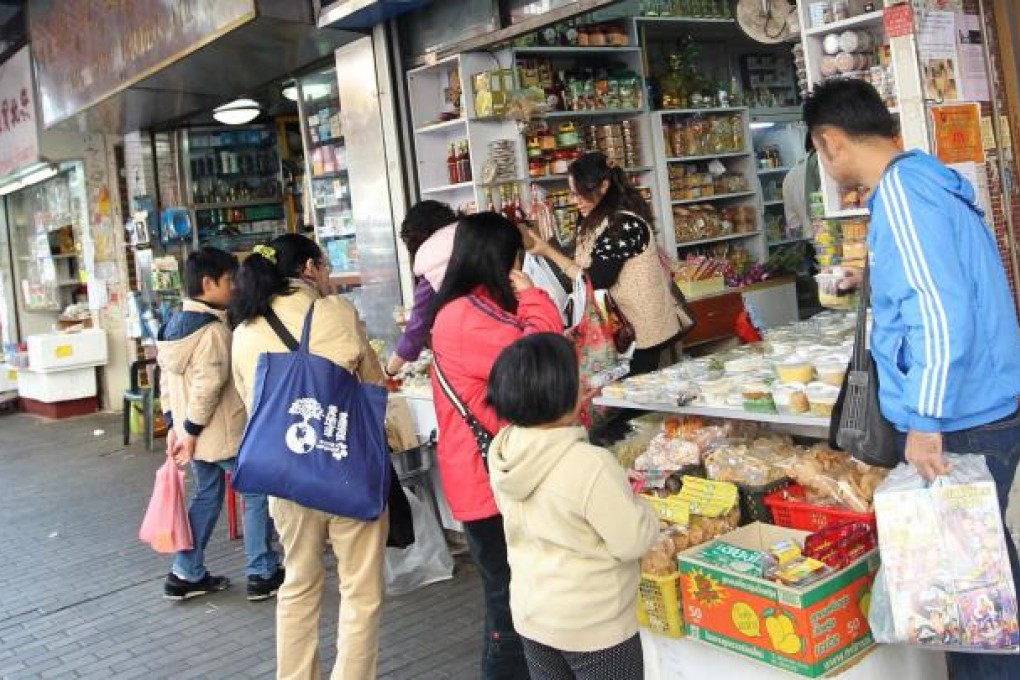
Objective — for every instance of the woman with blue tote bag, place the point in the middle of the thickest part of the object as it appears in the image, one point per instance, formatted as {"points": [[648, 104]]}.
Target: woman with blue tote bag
{"points": [[284, 296]]}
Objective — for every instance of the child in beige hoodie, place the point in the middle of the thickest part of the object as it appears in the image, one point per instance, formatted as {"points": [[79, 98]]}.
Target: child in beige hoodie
{"points": [[575, 530]]}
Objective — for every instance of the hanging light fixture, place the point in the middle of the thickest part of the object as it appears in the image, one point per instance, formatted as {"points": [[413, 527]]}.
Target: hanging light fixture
{"points": [[290, 91], [237, 112]]}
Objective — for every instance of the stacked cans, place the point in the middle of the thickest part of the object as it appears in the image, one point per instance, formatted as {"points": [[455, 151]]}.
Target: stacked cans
{"points": [[618, 141]]}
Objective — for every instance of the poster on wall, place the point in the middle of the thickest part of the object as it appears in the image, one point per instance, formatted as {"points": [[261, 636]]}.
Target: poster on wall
{"points": [[19, 133], [971, 51], [936, 45], [958, 137]]}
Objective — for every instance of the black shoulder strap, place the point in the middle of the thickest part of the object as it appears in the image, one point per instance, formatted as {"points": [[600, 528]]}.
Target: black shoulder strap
{"points": [[286, 337]]}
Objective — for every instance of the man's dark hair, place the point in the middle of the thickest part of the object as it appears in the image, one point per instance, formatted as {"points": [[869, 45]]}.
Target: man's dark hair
{"points": [[535, 381], [211, 262], [851, 105]]}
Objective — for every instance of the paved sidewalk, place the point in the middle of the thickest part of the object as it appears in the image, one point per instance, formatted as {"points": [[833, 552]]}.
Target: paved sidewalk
{"points": [[80, 596]]}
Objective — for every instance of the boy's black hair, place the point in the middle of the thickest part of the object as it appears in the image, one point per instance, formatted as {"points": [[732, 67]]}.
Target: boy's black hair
{"points": [[851, 105], [535, 381], [207, 261]]}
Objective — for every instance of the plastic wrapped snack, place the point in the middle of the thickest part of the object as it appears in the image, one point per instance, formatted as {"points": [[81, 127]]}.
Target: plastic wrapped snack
{"points": [[945, 581]]}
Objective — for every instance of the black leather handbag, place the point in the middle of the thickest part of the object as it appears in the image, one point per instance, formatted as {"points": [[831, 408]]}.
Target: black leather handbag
{"points": [[858, 426]]}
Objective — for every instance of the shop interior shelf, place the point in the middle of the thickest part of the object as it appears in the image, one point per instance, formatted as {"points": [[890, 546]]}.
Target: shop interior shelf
{"points": [[440, 126], [592, 113], [853, 212], [717, 109], [869, 20], [449, 188], [717, 239], [773, 171], [692, 159], [237, 204], [716, 197], [575, 50], [563, 177], [773, 202]]}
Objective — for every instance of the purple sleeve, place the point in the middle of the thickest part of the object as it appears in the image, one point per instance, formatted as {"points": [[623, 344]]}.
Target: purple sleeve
{"points": [[419, 326]]}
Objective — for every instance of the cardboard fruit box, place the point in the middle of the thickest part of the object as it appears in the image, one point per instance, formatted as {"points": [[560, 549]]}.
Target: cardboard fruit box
{"points": [[812, 631]]}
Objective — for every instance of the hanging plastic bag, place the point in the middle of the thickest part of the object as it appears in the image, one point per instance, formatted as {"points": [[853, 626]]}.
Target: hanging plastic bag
{"points": [[165, 526], [945, 581], [542, 275], [426, 561]]}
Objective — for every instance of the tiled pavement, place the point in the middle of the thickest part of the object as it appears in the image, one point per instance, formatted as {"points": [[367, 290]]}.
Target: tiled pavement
{"points": [[80, 595]]}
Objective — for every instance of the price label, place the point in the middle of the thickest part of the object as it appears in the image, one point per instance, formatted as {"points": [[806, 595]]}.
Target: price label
{"points": [[64, 351]]}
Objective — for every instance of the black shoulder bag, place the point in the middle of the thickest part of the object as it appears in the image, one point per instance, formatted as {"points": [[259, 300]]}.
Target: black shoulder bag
{"points": [[482, 436], [858, 426], [401, 532]]}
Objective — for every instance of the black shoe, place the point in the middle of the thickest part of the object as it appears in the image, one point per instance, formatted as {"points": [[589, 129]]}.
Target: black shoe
{"points": [[179, 589], [264, 588]]}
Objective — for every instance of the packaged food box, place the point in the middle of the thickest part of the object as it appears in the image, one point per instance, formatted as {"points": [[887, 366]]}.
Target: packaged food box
{"points": [[814, 631]]}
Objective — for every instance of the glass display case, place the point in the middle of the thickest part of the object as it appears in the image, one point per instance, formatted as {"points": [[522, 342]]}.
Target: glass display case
{"points": [[234, 186], [328, 184], [46, 223]]}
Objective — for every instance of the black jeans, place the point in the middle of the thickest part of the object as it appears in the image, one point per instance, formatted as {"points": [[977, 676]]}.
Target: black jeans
{"points": [[999, 443], [503, 654]]}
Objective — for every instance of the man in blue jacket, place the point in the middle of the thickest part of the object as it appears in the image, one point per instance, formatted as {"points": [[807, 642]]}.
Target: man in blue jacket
{"points": [[945, 336]]}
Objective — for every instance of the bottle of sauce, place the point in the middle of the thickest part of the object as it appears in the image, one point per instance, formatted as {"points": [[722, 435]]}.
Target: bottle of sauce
{"points": [[464, 162], [452, 165]]}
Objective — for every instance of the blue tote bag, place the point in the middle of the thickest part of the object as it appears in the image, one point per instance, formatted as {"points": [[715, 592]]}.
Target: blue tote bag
{"points": [[316, 435]]}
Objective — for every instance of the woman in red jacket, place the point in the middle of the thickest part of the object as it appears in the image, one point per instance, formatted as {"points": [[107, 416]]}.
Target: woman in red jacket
{"points": [[484, 305]]}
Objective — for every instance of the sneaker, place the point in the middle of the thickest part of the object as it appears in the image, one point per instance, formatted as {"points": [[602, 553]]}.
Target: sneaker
{"points": [[264, 588], [178, 589]]}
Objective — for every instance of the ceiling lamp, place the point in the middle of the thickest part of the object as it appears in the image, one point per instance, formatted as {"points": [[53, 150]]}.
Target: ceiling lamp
{"points": [[237, 112], [310, 90], [290, 91]]}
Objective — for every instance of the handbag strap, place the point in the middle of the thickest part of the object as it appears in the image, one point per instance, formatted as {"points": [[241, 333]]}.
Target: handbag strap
{"points": [[449, 391], [286, 337], [859, 361]]}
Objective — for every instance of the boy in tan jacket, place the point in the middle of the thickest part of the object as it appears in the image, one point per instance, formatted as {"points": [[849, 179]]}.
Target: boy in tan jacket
{"points": [[207, 419]]}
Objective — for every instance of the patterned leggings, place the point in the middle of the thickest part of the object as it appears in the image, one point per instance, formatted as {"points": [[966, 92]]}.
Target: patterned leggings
{"points": [[622, 662]]}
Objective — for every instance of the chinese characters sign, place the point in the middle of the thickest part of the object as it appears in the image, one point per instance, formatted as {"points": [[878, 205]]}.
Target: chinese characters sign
{"points": [[19, 136], [87, 50], [958, 133]]}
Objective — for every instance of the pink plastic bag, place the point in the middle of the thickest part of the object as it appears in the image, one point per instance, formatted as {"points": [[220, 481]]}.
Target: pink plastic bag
{"points": [[165, 526]]}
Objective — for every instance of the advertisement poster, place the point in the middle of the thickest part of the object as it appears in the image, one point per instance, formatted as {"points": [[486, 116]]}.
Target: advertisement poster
{"points": [[19, 133], [971, 51], [958, 136], [936, 44]]}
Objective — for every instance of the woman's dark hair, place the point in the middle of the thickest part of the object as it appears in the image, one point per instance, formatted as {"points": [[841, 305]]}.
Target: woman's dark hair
{"points": [[535, 381], [589, 172], [485, 249], [422, 220], [259, 279]]}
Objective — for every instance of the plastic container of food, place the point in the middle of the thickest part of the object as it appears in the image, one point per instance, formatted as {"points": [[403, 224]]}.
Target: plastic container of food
{"points": [[795, 370], [831, 370], [822, 398], [715, 392], [757, 398], [743, 365], [790, 399]]}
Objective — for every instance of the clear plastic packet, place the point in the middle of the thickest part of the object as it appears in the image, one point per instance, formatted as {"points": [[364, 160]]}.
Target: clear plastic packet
{"points": [[945, 581]]}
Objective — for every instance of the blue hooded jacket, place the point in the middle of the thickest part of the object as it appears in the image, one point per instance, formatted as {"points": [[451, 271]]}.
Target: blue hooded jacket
{"points": [[945, 337]]}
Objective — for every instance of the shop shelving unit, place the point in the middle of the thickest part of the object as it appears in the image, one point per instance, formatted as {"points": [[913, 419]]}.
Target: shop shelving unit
{"points": [[785, 134]]}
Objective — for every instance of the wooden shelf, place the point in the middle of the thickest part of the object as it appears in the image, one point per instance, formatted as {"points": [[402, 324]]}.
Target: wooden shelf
{"points": [[717, 239], [715, 197], [869, 20], [692, 159], [440, 126], [576, 50], [238, 204], [448, 188], [774, 171]]}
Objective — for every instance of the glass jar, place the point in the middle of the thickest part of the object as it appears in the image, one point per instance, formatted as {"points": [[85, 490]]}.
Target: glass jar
{"points": [[538, 167], [674, 84]]}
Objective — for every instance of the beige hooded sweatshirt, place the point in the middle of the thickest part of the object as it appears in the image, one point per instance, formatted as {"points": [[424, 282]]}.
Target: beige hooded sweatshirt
{"points": [[575, 535]]}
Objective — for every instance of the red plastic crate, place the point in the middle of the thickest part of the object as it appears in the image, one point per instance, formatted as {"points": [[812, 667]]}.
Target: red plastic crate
{"points": [[790, 510]]}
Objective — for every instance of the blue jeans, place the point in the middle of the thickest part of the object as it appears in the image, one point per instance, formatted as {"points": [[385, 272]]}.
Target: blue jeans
{"points": [[204, 510], [503, 653], [999, 443]]}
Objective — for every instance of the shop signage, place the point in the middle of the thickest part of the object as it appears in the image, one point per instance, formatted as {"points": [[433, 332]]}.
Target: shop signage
{"points": [[898, 20], [87, 50], [958, 133], [19, 134]]}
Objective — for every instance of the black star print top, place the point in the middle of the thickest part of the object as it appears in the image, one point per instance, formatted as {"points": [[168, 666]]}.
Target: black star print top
{"points": [[627, 236]]}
